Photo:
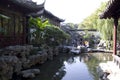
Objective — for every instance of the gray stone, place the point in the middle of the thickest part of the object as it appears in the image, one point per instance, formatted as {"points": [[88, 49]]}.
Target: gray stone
{"points": [[50, 53], [8, 65], [30, 73]]}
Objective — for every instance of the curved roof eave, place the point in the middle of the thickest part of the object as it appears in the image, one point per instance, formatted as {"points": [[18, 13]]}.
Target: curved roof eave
{"points": [[29, 5], [46, 12], [112, 10], [39, 13]]}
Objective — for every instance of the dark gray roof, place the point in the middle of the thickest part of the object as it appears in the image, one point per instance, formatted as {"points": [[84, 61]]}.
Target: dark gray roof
{"points": [[37, 14], [32, 6], [27, 5], [112, 10], [50, 15], [47, 14]]}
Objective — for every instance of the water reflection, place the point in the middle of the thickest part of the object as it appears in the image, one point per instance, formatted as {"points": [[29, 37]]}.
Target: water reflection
{"points": [[71, 67], [77, 70], [94, 60], [102, 56]]}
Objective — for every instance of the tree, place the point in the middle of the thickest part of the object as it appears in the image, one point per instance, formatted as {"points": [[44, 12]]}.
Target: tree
{"points": [[45, 33], [39, 27], [105, 27]]}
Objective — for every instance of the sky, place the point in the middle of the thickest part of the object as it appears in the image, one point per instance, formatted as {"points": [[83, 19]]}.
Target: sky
{"points": [[72, 11]]}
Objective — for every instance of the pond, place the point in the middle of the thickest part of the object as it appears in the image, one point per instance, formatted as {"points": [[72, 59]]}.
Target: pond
{"points": [[72, 67]]}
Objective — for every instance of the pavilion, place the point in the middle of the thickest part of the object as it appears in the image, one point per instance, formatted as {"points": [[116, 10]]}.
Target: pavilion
{"points": [[113, 11], [112, 67]]}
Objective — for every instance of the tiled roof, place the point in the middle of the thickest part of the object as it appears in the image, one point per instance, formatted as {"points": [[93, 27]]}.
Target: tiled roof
{"points": [[112, 10], [48, 14], [28, 5], [52, 16]]}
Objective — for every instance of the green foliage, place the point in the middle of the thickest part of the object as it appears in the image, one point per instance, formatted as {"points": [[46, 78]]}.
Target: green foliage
{"points": [[89, 37], [39, 26], [46, 33], [94, 60], [37, 22], [92, 63], [55, 35], [105, 27], [118, 32], [71, 25]]}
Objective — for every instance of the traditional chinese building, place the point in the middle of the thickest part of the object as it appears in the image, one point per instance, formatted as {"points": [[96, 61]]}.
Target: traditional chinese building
{"points": [[113, 67], [113, 11], [13, 20]]}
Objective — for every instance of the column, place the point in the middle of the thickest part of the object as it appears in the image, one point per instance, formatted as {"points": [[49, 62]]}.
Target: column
{"points": [[115, 36]]}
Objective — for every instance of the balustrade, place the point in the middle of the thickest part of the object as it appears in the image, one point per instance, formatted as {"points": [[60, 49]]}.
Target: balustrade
{"points": [[116, 60]]}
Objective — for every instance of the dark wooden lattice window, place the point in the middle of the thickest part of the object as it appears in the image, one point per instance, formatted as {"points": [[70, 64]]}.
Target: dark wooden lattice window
{"points": [[4, 23], [12, 23]]}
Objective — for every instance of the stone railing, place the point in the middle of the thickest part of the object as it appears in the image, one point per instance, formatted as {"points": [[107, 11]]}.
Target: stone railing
{"points": [[116, 60]]}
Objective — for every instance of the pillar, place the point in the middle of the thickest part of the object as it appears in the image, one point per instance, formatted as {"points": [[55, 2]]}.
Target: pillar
{"points": [[115, 36]]}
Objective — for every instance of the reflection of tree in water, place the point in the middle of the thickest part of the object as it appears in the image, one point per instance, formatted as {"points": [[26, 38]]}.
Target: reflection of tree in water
{"points": [[93, 61], [103, 56], [51, 70], [70, 59], [61, 72], [84, 57], [55, 70]]}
